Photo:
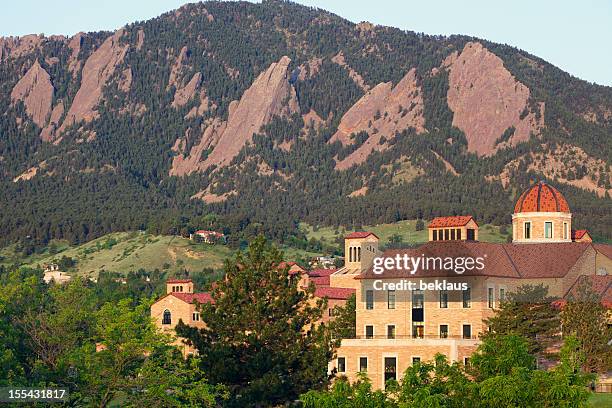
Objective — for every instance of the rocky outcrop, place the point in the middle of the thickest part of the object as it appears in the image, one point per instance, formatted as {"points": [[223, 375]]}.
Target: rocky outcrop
{"points": [[177, 67], [97, 70], [48, 131], [74, 64], [270, 94], [566, 164], [487, 100], [381, 112], [183, 95], [15, 47], [35, 90]]}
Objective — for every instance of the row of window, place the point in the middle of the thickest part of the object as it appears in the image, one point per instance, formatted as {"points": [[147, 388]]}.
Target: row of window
{"points": [[418, 331], [390, 365], [177, 288], [354, 254], [167, 317], [448, 234], [418, 299], [548, 230]]}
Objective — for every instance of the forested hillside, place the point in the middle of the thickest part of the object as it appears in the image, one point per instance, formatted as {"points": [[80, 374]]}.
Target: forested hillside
{"points": [[272, 114]]}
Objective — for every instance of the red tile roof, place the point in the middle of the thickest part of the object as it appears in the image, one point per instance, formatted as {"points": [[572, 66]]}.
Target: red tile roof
{"points": [[321, 272], [179, 281], [320, 280], [453, 221], [202, 297], [541, 197], [604, 249], [527, 261], [334, 293], [360, 234], [578, 234], [601, 285]]}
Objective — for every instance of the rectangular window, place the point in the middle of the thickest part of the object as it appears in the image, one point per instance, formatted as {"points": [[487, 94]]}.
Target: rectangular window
{"points": [[417, 306], [490, 299], [467, 331], [341, 364], [363, 364], [452, 234], [196, 316], [391, 331], [369, 299], [443, 299], [502, 294], [434, 235], [390, 368], [467, 298], [458, 232], [565, 230], [418, 330], [391, 299], [330, 311], [369, 332], [548, 229], [466, 361], [417, 299], [416, 360], [444, 331], [446, 235], [527, 230]]}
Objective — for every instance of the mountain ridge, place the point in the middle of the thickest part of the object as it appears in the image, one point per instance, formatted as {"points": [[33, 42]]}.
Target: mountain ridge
{"points": [[154, 100]]}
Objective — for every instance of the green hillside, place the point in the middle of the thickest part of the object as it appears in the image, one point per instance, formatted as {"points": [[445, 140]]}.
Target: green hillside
{"points": [[129, 251], [406, 229]]}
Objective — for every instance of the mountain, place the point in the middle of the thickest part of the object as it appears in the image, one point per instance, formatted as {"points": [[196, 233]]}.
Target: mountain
{"points": [[267, 115]]}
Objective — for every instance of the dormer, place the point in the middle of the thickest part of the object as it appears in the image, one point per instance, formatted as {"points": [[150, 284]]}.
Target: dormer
{"points": [[455, 228], [359, 247], [179, 286]]}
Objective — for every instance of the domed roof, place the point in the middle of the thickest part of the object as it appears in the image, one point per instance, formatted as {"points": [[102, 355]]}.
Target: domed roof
{"points": [[541, 197]]}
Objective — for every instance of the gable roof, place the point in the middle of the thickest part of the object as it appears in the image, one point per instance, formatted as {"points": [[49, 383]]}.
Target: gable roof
{"points": [[452, 221], [578, 234], [604, 249], [360, 234], [179, 281], [202, 297]]}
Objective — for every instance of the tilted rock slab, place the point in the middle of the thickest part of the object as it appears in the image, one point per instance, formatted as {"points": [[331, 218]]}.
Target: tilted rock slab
{"points": [[486, 100], [35, 90], [382, 111]]}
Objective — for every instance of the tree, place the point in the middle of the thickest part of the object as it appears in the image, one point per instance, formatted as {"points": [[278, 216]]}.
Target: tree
{"points": [[58, 327], [344, 394], [129, 357], [501, 374], [420, 225], [586, 318], [261, 338], [528, 312], [344, 324]]}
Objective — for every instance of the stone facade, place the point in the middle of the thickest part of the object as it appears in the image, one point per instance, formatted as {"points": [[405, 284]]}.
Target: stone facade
{"points": [[531, 227]]}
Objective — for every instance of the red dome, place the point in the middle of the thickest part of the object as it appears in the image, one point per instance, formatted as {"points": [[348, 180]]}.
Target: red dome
{"points": [[541, 197]]}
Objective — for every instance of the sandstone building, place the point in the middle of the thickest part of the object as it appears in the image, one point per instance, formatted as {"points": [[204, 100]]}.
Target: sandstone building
{"points": [[397, 327]]}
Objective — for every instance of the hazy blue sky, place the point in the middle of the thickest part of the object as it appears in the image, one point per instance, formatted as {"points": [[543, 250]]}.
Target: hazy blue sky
{"points": [[574, 35]]}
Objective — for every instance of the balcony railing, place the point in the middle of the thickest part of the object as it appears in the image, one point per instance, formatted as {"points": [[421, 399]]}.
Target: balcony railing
{"points": [[408, 336]]}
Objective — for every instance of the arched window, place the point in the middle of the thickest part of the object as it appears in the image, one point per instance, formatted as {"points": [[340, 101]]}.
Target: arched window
{"points": [[167, 319]]}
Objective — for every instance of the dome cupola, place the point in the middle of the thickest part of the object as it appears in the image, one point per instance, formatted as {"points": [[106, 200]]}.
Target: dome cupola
{"points": [[541, 214]]}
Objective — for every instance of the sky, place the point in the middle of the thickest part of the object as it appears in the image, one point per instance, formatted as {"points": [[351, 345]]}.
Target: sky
{"points": [[574, 35]]}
